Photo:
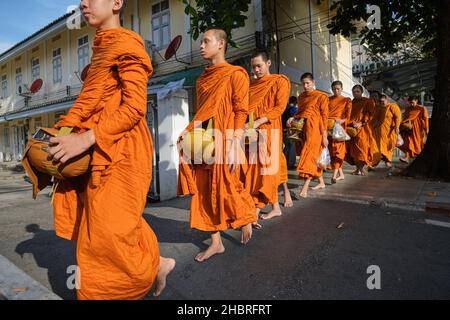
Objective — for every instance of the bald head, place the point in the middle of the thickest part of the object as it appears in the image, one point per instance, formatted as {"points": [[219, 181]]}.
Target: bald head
{"points": [[220, 34]]}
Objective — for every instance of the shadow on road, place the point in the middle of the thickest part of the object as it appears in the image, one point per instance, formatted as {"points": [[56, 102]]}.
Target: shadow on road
{"points": [[52, 253]]}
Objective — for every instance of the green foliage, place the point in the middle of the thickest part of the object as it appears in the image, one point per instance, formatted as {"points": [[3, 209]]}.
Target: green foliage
{"points": [[402, 22], [226, 15]]}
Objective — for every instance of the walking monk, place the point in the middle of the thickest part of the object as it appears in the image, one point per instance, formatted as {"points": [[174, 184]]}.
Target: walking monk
{"points": [[386, 124], [117, 251], [269, 94], [414, 129], [361, 149], [313, 107], [219, 200], [340, 109]]}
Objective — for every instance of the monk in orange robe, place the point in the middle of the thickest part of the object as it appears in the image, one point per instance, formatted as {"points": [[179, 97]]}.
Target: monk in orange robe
{"points": [[219, 199], [313, 107], [269, 94], [117, 251], [414, 138], [386, 124], [340, 109], [361, 149]]}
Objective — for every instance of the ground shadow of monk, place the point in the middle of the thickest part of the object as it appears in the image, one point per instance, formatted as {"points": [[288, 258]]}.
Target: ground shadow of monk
{"points": [[175, 231], [52, 253]]}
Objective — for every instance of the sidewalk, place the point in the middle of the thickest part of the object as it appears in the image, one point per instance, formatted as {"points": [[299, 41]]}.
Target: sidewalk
{"points": [[382, 188]]}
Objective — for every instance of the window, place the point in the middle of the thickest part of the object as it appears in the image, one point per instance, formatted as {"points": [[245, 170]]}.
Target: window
{"points": [[83, 53], [6, 137], [35, 69], [57, 66], [4, 86], [161, 24], [58, 115], [37, 123], [18, 79]]}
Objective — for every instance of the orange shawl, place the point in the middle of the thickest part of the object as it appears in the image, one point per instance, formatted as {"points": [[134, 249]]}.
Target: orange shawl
{"points": [[268, 98], [313, 106], [414, 140], [117, 252], [386, 120], [340, 109], [363, 147], [219, 200]]}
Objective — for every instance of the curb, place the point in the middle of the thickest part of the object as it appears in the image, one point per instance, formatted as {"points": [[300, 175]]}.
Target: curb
{"points": [[370, 200], [17, 285]]}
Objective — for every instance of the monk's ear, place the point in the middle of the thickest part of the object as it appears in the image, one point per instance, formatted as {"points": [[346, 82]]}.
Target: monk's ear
{"points": [[269, 63], [119, 5]]}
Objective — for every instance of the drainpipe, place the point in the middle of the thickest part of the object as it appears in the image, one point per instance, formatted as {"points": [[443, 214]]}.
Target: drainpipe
{"points": [[277, 36], [137, 20], [311, 38]]}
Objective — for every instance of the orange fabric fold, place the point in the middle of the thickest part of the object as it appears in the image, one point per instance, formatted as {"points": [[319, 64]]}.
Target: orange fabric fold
{"points": [[340, 108], [117, 251], [414, 140], [219, 199], [363, 148], [385, 122], [268, 98], [312, 106]]}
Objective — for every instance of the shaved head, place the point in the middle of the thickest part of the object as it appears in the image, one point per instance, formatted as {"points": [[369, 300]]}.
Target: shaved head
{"points": [[220, 34]]}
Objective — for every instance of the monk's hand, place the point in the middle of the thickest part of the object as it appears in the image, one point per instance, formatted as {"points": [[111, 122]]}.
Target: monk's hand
{"points": [[247, 126], [288, 123], [64, 148], [325, 140], [357, 125]]}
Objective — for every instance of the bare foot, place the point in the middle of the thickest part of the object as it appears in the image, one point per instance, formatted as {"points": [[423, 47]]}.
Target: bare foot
{"points": [[272, 214], [246, 233], [256, 225], [288, 200], [340, 178], [303, 194], [214, 248], [389, 165], [319, 186], [166, 266], [333, 180]]}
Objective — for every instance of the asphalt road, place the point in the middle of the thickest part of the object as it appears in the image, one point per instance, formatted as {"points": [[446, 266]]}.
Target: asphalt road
{"points": [[301, 255]]}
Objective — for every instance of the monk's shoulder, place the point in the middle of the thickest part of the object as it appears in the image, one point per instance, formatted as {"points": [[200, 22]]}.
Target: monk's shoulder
{"points": [[238, 73], [130, 43], [322, 95]]}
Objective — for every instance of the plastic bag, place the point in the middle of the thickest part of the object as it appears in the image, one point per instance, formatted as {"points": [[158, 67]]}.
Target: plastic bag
{"points": [[400, 141], [324, 159], [339, 134]]}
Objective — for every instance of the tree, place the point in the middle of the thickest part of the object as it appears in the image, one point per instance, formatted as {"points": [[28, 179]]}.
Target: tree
{"points": [[227, 15], [425, 21]]}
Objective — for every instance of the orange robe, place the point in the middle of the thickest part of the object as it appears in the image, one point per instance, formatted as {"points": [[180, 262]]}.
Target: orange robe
{"points": [[219, 200], [362, 148], [414, 140], [385, 122], [117, 251], [312, 106], [268, 98], [340, 108]]}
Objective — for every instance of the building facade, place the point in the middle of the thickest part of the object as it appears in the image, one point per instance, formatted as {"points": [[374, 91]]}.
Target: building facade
{"points": [[294, 31]]}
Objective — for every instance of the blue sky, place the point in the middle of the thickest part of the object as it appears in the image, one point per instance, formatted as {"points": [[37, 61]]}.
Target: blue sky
{"points": [[21, 18]]}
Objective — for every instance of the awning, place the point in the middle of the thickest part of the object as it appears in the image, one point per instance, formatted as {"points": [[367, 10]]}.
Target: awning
{"points": [[191, 76]]}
